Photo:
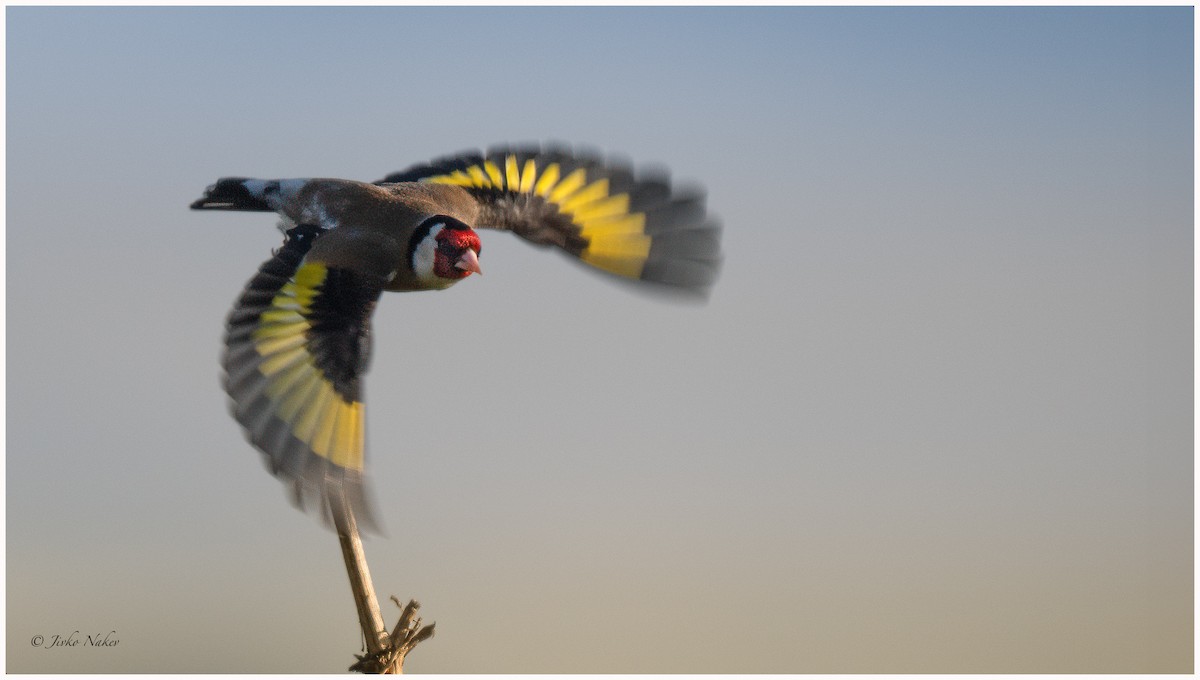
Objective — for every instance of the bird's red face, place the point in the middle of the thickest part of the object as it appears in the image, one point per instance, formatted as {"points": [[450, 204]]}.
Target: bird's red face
{"points": [[457, 253]]}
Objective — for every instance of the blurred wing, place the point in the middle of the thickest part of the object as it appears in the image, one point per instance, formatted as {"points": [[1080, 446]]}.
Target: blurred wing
{"points": [[296, 345], [597, 211]]}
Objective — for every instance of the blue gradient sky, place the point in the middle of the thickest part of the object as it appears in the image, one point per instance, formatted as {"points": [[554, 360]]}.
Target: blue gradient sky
{"points": [[937, 416]]}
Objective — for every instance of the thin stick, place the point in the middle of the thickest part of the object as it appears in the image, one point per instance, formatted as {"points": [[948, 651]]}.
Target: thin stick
{"points": [[385, 653], [360, 582]]}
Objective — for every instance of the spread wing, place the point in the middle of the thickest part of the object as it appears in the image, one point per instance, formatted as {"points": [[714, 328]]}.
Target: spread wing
{"points": [[296, 346], [598, 211]]}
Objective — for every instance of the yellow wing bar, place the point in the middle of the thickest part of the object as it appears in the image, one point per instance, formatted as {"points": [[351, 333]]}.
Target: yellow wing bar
{"points": [[616, 240], [299, 391], [595, 209]]}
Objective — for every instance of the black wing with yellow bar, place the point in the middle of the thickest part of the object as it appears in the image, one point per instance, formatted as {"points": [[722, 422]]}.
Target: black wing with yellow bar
{"points": [[596, 210], [296, 345]]}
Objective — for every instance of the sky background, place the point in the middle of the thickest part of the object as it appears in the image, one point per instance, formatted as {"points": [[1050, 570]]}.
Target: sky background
{"points": [[936, 417]]}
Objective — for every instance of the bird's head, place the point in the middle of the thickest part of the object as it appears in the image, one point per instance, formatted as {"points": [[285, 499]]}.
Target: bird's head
{"points": [[445, 251]]}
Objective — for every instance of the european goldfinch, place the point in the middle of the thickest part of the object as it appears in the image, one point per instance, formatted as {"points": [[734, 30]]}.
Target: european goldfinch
{"points": [[298, 339]]}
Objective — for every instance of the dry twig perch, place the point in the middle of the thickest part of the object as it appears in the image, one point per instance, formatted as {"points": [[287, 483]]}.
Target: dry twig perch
{"points": [[385, 653]]}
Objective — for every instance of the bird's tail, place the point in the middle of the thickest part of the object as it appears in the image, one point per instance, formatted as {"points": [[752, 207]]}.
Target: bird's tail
{"points": [[239, 193]]}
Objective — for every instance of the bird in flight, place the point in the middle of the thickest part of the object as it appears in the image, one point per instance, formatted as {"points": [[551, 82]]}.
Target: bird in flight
{"points": [[298, 339]]}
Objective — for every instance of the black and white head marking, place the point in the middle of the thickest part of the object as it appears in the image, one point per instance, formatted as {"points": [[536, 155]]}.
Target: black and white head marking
{"points": [[422, 249]]}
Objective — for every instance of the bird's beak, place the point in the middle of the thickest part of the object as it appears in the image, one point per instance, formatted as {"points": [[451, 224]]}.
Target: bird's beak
{"points": [[469, 262]]}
